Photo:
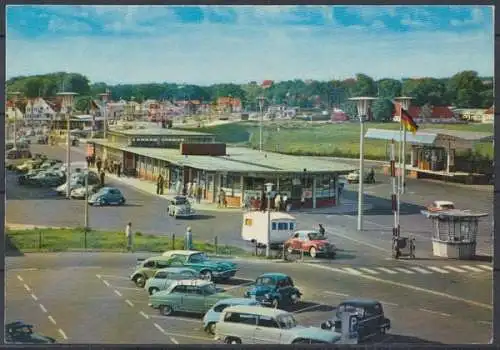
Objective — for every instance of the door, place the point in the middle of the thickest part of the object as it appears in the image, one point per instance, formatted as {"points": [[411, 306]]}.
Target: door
{"points": [[267, 331], [285, 289], [295, 241], [193, 300], [149, 268]]}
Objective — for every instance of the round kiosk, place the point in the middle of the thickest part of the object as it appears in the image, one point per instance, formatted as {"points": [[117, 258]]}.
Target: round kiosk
{"points": [[454, 233]]}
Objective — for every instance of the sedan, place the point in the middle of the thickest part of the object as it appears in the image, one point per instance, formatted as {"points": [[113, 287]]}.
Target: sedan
{"points": [[107, 196], [81, 192]]}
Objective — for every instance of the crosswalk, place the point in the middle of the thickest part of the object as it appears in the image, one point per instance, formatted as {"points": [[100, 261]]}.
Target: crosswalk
{"points": [[412, 270]]}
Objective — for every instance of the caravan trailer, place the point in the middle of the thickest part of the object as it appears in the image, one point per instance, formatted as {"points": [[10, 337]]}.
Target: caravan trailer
{"points": [[255, 226]]}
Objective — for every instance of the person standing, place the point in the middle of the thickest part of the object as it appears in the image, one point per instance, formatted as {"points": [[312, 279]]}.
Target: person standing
{"points": [[302, 199], [285, 202], [129, 236], [188, 239], [101, 177], [98, 164], [118, 169], [159, 184], [199, 192], [87, 158], [277, 202]]}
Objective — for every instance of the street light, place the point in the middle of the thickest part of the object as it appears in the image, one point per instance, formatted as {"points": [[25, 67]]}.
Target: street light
{"points": [[15, 96], [269, 189], [405, 103], [67, 105], [261, 100], [104, 98], [362, 105], [86, 211]]}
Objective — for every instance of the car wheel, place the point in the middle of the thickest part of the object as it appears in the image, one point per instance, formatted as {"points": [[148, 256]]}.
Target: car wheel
{"points": [[140, 281], [275, 303], [312, 252], [206, 275], [294, 299], [103, 202], [230, 340], [166, 310], [211, 328], [153, 290]]}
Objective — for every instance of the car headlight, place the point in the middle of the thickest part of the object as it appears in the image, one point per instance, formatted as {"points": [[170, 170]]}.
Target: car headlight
{"points": [[267, 296]]}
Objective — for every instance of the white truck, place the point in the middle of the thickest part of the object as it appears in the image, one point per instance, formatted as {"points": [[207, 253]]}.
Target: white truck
{"points": [[256, 224]]}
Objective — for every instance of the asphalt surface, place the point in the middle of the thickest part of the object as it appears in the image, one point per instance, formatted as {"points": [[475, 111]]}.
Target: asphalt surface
{"points": [[88, 298]]}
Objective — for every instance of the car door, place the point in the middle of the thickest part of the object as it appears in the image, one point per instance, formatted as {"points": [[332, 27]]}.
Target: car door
{"points": [[267, 331], [284, 289], [176, 297], [294, 242], [193, 300], [149, 268]]}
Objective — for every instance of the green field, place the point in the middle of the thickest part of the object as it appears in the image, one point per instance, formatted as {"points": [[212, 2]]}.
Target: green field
{"points": [[322, 139]]}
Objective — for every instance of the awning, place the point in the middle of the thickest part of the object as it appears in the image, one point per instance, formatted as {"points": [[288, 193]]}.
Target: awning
{"points": [[418, 138]]}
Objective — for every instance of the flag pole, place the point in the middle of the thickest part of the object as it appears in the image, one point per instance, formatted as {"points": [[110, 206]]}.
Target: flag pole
{"points": [[403, 156], [399, 177]]}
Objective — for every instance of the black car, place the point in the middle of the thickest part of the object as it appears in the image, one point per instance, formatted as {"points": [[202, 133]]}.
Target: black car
{"points": [[370, 316], [21, 333]]}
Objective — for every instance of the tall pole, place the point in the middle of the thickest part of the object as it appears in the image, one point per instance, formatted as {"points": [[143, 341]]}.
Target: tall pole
{"points": [[261, 106], [400, 164], [68, 155], [268, 248], [394, 195], [86, 212], [361, 171], [14, 101]]}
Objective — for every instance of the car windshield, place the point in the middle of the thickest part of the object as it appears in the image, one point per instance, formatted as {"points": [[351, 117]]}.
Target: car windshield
{"points": [[315, 236], [209, 289], [181, 201], [447, 206], [265, 281], [287, 322], [198, 258]]}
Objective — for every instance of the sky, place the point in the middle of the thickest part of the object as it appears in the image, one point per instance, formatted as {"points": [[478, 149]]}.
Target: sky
{"points": [[238, 44]]}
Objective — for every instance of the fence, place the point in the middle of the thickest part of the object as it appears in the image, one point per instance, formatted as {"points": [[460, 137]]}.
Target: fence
{"points": [[39, 240]]}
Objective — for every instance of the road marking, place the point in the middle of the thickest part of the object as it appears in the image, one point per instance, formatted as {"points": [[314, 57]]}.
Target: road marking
{"points": [[415, 288], [485, 322], [240, 286], [308, 308], [471, 268], [23, 269], [453, 268], [27, 287], [98, 276], [158, 327], [130, 288], [51, 319], [106, 283], [486, 267], [332, 232], [372, 272], [129, 303], [143, 314], [435, 312], [336, 293], [117, 292], [436, 269], [184, 319], [400, 269], [43, 308], [387, 270], [20, 278], [115, 277], [351, 271], [63, 334], [173, 340], [388, 303], [418, 269], [35, 298]]}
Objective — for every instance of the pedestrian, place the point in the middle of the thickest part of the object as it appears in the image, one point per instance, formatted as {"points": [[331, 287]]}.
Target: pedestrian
{"points": [[105, 165], [118, 169], [129, 236], [92, 160], [223, 201], [302, 199], [101, 177], [285, 202], [188, 239], [190, 189], [87, 158], [98, 164], [277, 202], [321, 230], [159, 184], [199, 192]]}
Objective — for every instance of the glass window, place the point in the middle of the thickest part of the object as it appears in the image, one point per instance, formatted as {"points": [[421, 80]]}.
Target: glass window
{"points": [[198, 258], [161, 275], [282, 226], [236, 317], [292, 226], [149, 263], [186, 275], [220, 308], [162, 264], [268, 322], [273, 226], [179, 289]]}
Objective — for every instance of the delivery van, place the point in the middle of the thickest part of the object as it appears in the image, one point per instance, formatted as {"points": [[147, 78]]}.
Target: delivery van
{"points": [[256, 224]]}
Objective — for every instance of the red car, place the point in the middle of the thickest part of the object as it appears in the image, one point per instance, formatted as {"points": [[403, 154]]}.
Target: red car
{"points": [[311, 242]]}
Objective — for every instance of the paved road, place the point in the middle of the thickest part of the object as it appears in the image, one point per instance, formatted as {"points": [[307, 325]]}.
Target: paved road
{"points": [[90, 299]]}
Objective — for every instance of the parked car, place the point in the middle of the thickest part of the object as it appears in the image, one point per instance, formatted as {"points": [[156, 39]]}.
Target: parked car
{"points": [[44, 178], [29, 164], [213, 315], [78, 181], [274, 289], [209, 269], [193, 296], [82, 192], [311, 242], [146, 268], [371, 319], [107, 196], [22, 333], [164, 277], [257, 325], [180, 207], [353, 177], [441, 205], [16, 156]]}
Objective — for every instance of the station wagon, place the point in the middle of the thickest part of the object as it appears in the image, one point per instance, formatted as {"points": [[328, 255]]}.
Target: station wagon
{"points": [[213, 315], [164, 277]]}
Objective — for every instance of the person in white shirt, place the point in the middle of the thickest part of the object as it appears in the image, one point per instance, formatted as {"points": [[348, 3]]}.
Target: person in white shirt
{"points": [[129, 236]]}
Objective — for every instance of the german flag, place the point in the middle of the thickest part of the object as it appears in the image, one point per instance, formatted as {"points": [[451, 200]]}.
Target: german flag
{"points": [[408, 122], [93, 105]]}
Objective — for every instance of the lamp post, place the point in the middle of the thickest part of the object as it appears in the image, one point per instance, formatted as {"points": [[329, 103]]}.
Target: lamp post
{"points": [[104, 98], [362, 105], [269, 189], [405, 103], [261, 100], [15, 96], [67, 105], [86, 211]]}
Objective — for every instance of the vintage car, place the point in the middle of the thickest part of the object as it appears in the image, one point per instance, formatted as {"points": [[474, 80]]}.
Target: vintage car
{"points": [[311, 242], [245, 324], [82, 192], [164, 277], [16, 156], [275, 290], [29, 164], [370, 316], [180, 207], [193, 296], [107, 196], [353, 177], [21, 333], [146, 268], [441, 205], [209, 269], [42, 178], [213, 315], [78, 181]]}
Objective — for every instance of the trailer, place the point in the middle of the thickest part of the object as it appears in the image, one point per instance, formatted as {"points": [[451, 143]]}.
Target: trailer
{"points": [[256, 224]]}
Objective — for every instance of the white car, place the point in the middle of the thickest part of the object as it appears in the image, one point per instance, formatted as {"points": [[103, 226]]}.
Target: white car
{"points": [[180, 206], [80, 192], [353, 177], [441, 205]]}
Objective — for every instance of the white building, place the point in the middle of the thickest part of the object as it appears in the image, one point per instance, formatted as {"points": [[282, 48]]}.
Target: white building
{"points": [[12, 112], [40, 110]]}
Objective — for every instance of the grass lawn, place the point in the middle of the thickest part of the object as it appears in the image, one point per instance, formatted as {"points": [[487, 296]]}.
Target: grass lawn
{"points": [[60, 240], [322, 139]]}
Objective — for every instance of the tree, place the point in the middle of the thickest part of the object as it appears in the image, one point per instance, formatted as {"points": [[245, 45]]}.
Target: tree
{"points": [[364, 86], [389, 88], [425, 90], [382, 110], [82, 104], [464, 89], [468, 98], [487, 98]]}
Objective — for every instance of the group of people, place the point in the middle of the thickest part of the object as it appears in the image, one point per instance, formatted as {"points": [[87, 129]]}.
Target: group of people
{"points": [[111, 167], [277, 202]]}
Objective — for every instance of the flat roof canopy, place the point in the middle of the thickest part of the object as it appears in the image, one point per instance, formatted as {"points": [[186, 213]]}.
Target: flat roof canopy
{"points": [[138, 132]]}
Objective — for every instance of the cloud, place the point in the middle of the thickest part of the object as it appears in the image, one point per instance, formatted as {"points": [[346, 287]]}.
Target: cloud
{"points": [[476, 17], [57, 24]]}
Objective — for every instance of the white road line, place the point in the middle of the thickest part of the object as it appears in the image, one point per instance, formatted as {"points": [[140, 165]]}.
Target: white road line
{"points": [[332, 232], [131, 304], [486, 267], [130, 288], [308, 308], [27, 287], [351, 271], [336, 293], [43, 308], [423, 271], [388, 303], [400, 269], [24, 269], [485, 322], [437, 269], [173, 340], [435, 312], [61, 332], [453, 268], [106, 283], [143, 314], [370, 271], [387, 270], [117, 292], [35, 298], [115, 277], [175, 318], [51, 319], [158, 327], [98, 276], [20, 278], [471, 268]]}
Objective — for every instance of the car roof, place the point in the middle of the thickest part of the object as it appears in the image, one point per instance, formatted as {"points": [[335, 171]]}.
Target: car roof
{"points": [[107, 188], [174, 269], [259, 310], [306, 231], [158, 257], [274, 274], [181, 252], [444, 203], [197, 282], [360, 302], [237, 301]]}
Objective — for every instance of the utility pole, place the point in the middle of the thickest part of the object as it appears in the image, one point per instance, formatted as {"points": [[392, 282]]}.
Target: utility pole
{"points": [[67, 104], [261, 100]]}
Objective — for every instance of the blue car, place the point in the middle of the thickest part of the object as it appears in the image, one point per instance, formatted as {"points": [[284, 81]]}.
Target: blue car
{"points": [[275, 290], [212, 316], [107, 196]]}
